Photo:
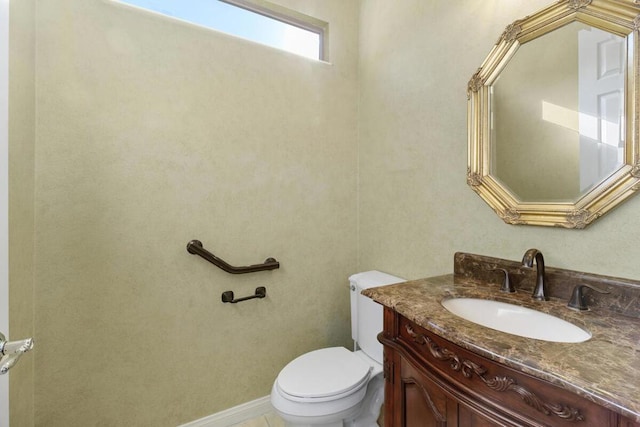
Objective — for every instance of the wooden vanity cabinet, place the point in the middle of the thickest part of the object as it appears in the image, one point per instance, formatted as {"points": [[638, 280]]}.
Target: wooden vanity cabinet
{"points": [[430, 381]]}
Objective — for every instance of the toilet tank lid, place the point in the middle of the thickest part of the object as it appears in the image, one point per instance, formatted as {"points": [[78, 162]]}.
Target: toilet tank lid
{"points": [[373, 278]]}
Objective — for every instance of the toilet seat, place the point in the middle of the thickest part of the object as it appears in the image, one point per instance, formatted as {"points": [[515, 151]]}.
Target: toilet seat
{"points": [[323, 375]]}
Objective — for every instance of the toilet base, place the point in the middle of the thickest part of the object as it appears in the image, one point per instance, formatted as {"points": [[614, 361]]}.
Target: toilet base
{"points": [[365, 414], [338, 424], [335, 424]]}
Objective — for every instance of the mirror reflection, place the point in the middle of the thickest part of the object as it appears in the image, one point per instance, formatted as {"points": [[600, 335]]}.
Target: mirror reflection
{"points": [[557, 125]]}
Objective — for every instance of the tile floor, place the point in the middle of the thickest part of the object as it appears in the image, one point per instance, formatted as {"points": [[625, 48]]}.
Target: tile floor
{"points": [[266, 420]]}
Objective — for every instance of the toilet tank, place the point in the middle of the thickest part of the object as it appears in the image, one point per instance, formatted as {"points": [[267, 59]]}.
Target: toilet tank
{"points": [[366, 315]]}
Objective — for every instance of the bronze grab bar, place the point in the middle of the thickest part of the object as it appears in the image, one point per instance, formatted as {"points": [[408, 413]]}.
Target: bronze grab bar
{"points": [[195, 247]]}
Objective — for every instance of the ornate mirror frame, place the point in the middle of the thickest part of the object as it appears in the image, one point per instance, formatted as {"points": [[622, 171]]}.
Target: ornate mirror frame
{"points": [[619, 17]]}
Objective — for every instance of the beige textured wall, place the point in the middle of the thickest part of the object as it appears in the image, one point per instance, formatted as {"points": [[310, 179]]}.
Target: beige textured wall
{"points": [[415, 207], [151, 133], [22, 113]]}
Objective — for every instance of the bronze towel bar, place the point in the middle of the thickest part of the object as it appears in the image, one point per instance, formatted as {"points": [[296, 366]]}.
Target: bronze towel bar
{"points": [[195, 247], [227, 296]]}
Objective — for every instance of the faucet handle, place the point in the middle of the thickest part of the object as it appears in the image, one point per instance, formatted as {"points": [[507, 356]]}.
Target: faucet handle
{"points": [[507, 286], [576, 302]]}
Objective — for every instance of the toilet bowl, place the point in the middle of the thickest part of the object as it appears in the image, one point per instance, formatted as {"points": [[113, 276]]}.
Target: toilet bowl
{"points": [[327, 387], [335, 387]]}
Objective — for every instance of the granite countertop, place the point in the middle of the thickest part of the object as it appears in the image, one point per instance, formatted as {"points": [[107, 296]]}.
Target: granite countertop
{"points": [[604, 369]]}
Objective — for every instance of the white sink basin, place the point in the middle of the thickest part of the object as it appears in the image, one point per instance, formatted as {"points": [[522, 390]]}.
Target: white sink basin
{"points": [[516, 320]]}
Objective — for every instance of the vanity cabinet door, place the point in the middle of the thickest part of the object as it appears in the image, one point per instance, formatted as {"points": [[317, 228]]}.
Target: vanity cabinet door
{"points": [[625, 422], [470, 418], [423, 403]]}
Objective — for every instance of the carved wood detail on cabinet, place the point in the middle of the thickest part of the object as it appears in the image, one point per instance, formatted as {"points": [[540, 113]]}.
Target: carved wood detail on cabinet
{"points": [[432, 382], [497, 383]]}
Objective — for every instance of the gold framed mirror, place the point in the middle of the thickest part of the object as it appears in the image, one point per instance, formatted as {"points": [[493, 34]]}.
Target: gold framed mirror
{"points": [[553, 115]]}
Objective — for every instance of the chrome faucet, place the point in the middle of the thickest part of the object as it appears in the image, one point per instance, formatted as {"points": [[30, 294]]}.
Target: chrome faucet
{"points": [[540, 290]]}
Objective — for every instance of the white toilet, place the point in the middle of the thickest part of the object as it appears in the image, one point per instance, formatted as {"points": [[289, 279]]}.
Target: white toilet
{"points": [[334, 387]]}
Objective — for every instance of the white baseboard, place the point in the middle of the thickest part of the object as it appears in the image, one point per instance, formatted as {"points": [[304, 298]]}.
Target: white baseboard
{"points": [[234, 415]]}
